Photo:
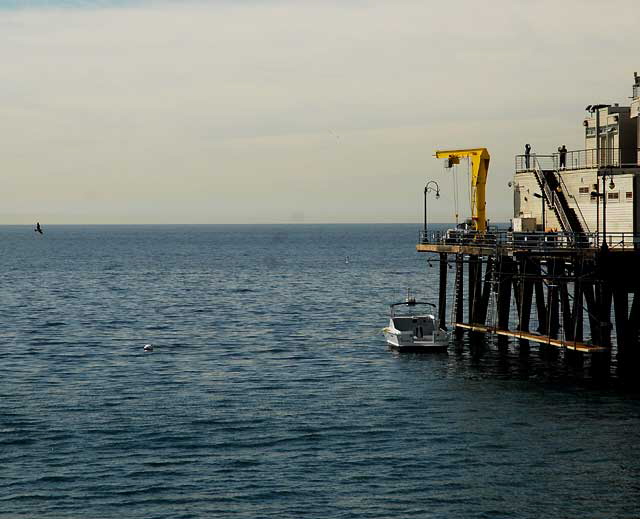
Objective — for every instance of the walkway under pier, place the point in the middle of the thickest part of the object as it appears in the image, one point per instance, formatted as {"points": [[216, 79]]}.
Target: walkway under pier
{"points": [[528, 336]]}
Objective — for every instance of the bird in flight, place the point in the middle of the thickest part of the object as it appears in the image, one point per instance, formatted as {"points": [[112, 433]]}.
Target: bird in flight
{"points": [[38, 228]]}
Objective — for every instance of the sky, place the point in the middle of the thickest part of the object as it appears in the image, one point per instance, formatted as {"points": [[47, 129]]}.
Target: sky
{"points": [[283, 111]]}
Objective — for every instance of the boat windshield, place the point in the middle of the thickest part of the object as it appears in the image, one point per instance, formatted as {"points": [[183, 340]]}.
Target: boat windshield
{"points": [[409, 304], [406, 324]]}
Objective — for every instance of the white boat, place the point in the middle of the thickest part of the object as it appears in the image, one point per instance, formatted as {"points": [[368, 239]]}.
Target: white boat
{"points": [[415, 333]]}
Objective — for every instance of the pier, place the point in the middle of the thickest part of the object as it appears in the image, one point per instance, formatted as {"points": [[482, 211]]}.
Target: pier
{"points": [[562, 290]]}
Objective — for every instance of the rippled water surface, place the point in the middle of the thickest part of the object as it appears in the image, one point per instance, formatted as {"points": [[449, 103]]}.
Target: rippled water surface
{"points": [[271, 393]]}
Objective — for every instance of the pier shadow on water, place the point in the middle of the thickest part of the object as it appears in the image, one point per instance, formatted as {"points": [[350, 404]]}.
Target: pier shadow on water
{"points": [[489, 358]]}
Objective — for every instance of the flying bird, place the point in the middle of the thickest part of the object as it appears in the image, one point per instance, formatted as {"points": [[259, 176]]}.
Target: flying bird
{"points": [[38, 228]]}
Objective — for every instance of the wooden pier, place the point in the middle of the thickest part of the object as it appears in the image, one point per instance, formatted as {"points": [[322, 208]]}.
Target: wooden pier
{"points": [[555, 289]]}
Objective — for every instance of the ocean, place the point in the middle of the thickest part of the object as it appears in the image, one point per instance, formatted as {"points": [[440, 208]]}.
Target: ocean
{"points": [[270, 391]]}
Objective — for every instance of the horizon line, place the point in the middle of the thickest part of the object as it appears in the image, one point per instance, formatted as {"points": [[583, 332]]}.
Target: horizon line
{"points": [[421, 224]]}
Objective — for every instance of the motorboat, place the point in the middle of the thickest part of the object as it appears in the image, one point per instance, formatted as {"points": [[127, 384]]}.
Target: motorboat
{"points": [[414, 333]]}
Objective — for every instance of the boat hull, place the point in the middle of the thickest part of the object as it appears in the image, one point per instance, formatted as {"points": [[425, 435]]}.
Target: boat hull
{"points": [[397, 342], [416, 348], [415, 333]]}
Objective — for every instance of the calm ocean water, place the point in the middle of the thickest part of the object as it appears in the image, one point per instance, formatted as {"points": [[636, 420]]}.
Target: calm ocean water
{"points": [[271, 393]]}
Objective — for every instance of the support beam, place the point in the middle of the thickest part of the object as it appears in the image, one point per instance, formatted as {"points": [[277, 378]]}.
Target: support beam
{"points": [[505, 277], [482, 307], [442, 294], [526, 297], [553, 306], [601, 363], [541, 307], [592, 312], [578, 306], [632, 345], [621, 307], [565, 306], [474, 277], [459, 295], [605, 317]]}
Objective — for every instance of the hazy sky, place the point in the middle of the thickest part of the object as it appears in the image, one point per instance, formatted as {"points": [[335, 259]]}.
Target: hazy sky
{"points": [[253, 111]]}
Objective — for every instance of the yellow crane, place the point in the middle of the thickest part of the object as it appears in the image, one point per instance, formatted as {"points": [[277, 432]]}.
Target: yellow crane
{"points": [[479, 158]]}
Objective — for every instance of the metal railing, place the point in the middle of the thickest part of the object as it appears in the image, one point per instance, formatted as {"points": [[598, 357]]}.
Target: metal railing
{"points": [[580, 159], [531, 240], [619, 240], [530, 162]]}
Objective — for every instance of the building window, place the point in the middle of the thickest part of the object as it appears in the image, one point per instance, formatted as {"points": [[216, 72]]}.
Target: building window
{"points": [[614, 197], [583, 190], [629, 195]]}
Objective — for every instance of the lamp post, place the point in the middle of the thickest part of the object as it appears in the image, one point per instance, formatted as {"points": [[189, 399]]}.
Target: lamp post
{"points": [[544, 223], [597, 195], [428, 189], [604, 204], [604, 212], [596, 109]]}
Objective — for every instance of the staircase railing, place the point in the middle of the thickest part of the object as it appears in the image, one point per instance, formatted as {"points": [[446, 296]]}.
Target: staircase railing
{"points": [[583, 220], [547, 192]]}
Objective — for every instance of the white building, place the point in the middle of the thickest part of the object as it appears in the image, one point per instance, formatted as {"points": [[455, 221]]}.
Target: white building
{"points": [[567, 191]]}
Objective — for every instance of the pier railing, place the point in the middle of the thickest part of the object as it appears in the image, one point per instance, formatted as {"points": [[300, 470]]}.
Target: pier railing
{"points": [[531, 240], [580, 159]]}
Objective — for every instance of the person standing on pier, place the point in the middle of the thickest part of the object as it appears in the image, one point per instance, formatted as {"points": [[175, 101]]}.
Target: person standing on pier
{"points": [[563, 157], [527, 153]]}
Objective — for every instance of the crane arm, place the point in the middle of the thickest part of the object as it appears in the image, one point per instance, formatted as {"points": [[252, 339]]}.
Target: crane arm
{"points": [[479, 158]]}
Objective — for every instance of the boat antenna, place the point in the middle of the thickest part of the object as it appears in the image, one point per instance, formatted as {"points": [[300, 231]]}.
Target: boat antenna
{"points": [[410, 299]]}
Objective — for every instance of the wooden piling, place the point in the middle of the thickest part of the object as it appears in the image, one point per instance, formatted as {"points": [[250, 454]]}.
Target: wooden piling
{"points": [[459, 295], [442, 293]]}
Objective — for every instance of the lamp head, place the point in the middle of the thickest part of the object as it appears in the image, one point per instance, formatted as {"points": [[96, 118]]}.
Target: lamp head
{"points": [[611, 184]]}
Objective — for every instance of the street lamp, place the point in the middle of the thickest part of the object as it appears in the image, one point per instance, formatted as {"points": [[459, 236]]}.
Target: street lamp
{"points": [[604, 204], [597, 195], [596, 109], [428, 189], [544, 223]]}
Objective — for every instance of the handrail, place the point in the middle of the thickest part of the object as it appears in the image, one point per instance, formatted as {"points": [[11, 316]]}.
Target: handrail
{"points": [[524, 162], [535, 241], [584, 159]]}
